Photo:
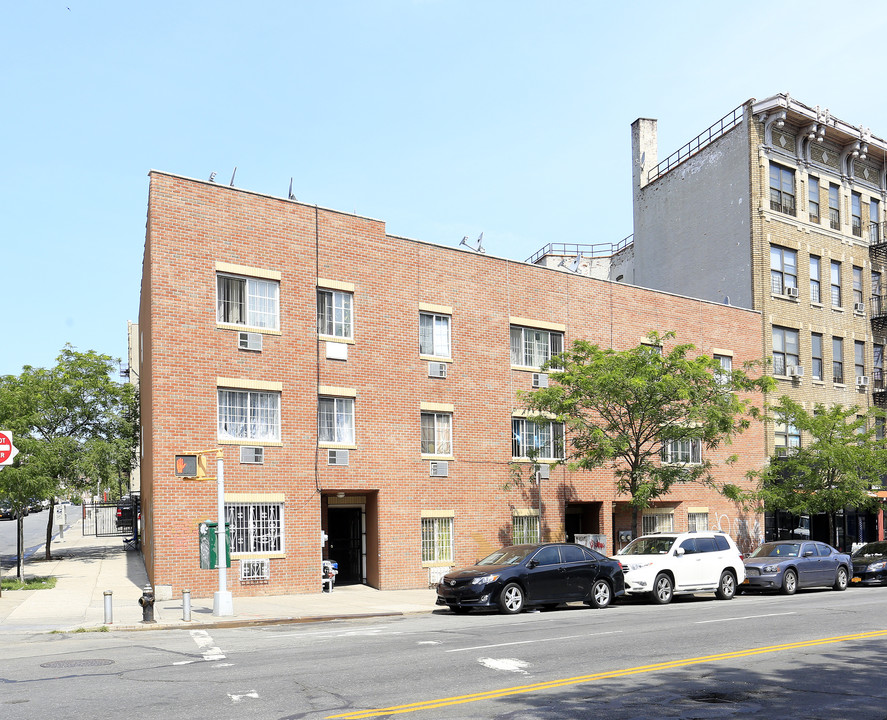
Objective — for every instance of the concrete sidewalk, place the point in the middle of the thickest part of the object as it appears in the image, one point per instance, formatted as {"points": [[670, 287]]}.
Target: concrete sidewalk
{"points": [[86, 567]]}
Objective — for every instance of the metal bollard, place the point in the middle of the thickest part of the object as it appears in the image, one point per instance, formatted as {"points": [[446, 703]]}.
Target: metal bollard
{"points": [[186, 605], [147, 603], [109, 610]]}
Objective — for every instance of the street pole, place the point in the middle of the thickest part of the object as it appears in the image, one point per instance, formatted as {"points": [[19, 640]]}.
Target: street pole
{"points": [[222, 602]]}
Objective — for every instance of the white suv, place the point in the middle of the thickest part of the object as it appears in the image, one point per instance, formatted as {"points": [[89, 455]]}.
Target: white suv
{"points": [[668, 564]]}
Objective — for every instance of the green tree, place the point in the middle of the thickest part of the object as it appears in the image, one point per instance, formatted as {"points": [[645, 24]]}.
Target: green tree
{"points": [[840, 459], [623, 408]]}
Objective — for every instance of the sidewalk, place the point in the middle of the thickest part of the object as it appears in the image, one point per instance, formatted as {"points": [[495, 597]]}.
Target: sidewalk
{"points": [[86, 567]]}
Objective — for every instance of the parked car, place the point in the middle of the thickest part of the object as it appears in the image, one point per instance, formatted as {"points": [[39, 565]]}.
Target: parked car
{"points": [[662, 566], [125, 514], [7, 512], [787, 565], [545, 574], [870, 564]]}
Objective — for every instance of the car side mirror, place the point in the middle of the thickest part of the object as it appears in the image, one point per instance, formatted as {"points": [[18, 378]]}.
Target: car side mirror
{"points": [[808, 553], [532, 564], [679, 552]]}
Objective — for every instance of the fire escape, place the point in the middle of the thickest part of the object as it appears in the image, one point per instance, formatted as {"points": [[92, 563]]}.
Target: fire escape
{"points": [[878, 312]]}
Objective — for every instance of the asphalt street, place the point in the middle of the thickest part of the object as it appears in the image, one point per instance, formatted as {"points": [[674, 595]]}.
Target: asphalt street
{"points": [[818, 654]]}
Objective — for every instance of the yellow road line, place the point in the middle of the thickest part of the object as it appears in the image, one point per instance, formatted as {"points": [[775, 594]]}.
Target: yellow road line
{"points": [[522, 689]]}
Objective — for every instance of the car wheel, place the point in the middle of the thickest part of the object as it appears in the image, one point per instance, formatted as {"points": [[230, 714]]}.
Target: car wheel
{"points": [[601, 595], [662, 589], [841, 579], [459, 609], [789, 582], [726, 587], [511, 599]]}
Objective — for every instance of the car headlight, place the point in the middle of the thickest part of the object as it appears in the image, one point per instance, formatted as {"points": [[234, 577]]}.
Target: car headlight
{"points": [[484, 579], [770, 568], [635, 566], [874, 567]]}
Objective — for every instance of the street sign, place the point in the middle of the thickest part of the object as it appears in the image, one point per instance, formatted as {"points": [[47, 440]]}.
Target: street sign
{"points": [[7, 450], [186, 466]]}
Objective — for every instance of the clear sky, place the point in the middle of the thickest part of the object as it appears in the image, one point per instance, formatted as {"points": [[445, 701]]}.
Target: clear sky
{"points": [[442, 118]]}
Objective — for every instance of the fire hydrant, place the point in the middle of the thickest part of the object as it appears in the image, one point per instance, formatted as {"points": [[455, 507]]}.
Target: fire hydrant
{"points": [[147, 603]]}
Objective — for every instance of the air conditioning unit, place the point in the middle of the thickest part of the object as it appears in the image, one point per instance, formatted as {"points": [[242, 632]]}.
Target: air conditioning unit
{"points": [[255, 570], [792, 292], [540, 380], [786, 451], [336, 351], [437, 370], [438, 468], [337, 457], [543, 472], [859, 308], [249, 341], [252, 455], [862, 381], [795, 371]]}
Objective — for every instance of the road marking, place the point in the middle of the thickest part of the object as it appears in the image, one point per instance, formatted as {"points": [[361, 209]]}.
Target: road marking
{"points": [[507, 664], [527, 642], [744, 617], [237, 698], [537, 687], [205, 643]]}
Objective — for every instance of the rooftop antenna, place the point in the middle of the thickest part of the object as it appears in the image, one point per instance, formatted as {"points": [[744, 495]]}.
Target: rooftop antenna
{"points": [[232, 176], [477, 246], [573, 266], [291, 196]]}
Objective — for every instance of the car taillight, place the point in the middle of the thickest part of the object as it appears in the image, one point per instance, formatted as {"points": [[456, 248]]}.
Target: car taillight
{"points": [[119, 512]]}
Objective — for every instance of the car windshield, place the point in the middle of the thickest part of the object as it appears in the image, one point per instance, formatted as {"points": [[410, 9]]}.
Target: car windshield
{"points": [[872, 550], [507, 556], [777, 549], [649, 545]]}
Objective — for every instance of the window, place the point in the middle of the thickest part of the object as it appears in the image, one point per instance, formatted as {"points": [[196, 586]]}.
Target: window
{"points": [[874, 221], [247, 301], [878, 367], [687, 451], [723, 374], [813, 195], [836, 283], [524, 529], [437, 540], [255, 527], [434, 335], [815, 277], [787, 437], [249, 415], [876, 293], [533, 348], [834, 208], [697, 521], [335, 420], [543, 439], [437, 434], [859, 358], [857, 284], [783, 269], [334, 313], [657, 522], [785, 349], [782, 189], [856, 214], [816, 351], [838, 359]]}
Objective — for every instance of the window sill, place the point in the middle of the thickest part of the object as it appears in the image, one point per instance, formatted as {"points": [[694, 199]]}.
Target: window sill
{"points": [[336, 446], [449, 458], [435, 358], [333, 338], [841, 385], [837, 309], [437, 563], [247, 328], [258, 556], [817, 305], [787, 298], [537, 461], [250, 441]]}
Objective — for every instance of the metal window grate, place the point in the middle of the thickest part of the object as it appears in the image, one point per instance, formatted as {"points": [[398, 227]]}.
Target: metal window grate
{"points": [[255, 527]]}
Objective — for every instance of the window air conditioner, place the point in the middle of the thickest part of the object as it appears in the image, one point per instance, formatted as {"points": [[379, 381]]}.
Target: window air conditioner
{"points": [[796, 371], [540, 380], [862, 381], [437, 370], [543, 472], [337, 457], [792, 292], [438, 468], [249, 341], [251, 454], [255, 569], [786, 451], [859, 308]]}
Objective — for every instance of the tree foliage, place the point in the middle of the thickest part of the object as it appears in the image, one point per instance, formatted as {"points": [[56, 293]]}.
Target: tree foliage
{"points": [[622, 407], [840, 459]]}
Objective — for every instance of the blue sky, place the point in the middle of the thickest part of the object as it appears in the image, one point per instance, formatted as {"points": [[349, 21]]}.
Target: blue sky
{"points": [[443, 119]]}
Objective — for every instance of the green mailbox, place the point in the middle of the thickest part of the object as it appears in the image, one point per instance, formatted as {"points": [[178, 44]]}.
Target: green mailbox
{"points": [[209, 541]]}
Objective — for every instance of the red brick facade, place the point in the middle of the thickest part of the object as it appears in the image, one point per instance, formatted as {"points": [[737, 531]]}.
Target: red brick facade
{"points": [[186, 355]]}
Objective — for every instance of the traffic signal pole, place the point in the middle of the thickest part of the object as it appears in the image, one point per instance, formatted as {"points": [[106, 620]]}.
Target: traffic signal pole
{"points": [[223, 604]]}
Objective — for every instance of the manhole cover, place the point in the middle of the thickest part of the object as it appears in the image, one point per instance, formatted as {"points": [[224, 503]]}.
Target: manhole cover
{"points": [[76, 663]]}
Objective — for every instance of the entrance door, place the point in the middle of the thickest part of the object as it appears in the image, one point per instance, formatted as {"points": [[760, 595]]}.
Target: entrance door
{"points": [[345, 543]]}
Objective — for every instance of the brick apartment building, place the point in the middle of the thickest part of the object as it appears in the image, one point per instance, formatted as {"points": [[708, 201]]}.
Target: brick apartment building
{"points": [[364, 386]]}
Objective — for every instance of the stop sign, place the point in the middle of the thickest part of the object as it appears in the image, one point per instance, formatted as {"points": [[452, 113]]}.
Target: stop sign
{"points": [[7, 450]]}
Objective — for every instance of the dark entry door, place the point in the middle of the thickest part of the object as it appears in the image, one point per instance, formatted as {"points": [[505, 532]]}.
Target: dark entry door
{"points": [[344, 543]]}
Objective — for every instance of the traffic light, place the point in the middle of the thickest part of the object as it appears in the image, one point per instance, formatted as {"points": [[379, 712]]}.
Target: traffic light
{"points": [[186, 466]]}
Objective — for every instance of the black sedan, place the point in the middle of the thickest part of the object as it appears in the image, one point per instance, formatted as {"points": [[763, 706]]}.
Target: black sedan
{"points": [[870, 564], [546, 574]]}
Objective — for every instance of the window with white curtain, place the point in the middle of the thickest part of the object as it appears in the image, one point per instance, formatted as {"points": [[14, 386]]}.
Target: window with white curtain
{"points": [[437, 433], [434, 335], [249, 415], [248, 301], [334, 313], [657, 522], [697, 521], [533, 348], [543, 439], [686, 451], [335, 420], [255, 527]]}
